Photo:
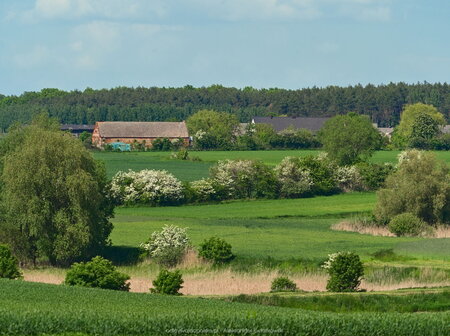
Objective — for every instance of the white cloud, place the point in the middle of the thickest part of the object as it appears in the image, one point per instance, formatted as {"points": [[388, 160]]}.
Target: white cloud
{"points": [[37, 56], [100, 9]]}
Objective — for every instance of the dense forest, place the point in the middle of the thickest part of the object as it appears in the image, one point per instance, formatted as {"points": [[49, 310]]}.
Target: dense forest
{"points": [[382, 103]]}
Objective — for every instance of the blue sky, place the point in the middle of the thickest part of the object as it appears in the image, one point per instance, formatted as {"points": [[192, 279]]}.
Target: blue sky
{"points": [[74, 44]]}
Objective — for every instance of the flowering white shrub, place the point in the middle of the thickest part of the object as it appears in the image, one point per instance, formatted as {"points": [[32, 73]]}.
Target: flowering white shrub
{"points": [[408, 155], [155, 187], [168, 246], [348, 178], [295, 180], [244, 178], [203, 189]]}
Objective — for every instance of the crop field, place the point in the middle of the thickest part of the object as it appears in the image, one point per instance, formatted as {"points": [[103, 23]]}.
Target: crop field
{"points": [[194, 170], [33, 309]]}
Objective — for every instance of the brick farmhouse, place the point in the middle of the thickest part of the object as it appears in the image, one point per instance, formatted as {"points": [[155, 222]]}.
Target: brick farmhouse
{"points": [[129, 132]]}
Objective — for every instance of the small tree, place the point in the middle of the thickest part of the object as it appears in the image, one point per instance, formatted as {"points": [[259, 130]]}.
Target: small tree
{"points": [[167, 283], [349, 138], [168, 246], [9, 266], [216, 250], [420, 186], [345, 270], [97, 273], [295, 179]]}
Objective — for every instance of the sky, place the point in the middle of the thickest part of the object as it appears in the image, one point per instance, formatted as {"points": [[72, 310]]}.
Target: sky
{"points": [[74, 44]]}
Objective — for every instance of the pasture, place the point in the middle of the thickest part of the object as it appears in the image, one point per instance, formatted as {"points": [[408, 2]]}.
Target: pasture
{"points": [[193, 170]]}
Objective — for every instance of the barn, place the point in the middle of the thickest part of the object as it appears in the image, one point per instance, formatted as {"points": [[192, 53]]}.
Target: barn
{"points": [[131, 132]]}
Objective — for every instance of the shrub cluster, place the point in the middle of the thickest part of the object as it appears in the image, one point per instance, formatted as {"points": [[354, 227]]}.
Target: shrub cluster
{"points": [[97, 273], [420, 186], [153, 187], [345, 270], [9, 266], [293, 177]]}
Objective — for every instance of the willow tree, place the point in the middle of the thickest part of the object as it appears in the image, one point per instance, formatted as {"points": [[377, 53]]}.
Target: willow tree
{"points": [[54, 201]]}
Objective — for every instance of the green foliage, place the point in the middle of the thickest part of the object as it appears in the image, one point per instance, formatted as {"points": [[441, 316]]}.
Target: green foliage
{"points": [[162, 144], [283, 284], [168, 246], [55, 201], [216, 250], [32, 309], [167, 283], [374, 174], [345, 270], [421, 186], [349, 138], [97, 273], [406, 224], [415, 122], [213, 130], [9, 266], [322, 173]]}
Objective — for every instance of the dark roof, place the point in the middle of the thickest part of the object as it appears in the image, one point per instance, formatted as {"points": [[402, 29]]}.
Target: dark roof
{"points": [[136, 129], [281, 123], [75, 127]]}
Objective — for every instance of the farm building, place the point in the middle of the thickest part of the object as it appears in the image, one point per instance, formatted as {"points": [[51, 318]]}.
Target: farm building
{"points": [[281, 123], [129, 132], [76, 130]]}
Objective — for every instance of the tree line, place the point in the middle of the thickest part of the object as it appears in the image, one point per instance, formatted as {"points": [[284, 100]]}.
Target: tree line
{"points": [[382, 103]]}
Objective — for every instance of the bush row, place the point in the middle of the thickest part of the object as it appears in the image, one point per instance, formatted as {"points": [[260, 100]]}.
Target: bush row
{"points": [[294, 177]]}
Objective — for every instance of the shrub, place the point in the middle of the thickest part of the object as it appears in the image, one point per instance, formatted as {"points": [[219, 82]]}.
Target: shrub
{"points": [[349, 179], [162, 144], [9, 266], [168, 246], [374, 175], [322, 172], [97, 273], [406, 224], [216, 250], [203, 190], [153, 187], [244, 179], [345, 270], [283, 284], [167, 283], [295, 180], [420, 186]]}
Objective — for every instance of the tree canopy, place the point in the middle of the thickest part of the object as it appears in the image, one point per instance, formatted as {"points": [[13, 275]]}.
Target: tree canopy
{"points": [[54, 202], [382, 103], [349, 138]]}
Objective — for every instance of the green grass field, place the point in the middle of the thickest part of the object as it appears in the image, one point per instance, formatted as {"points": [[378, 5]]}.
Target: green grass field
{"points": [[280, 229], [190, 171], [34, 309]]}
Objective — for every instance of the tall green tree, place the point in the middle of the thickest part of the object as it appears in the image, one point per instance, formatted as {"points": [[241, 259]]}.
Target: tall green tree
{"points": [[408, 121], [212, 129], [349, 138], [54, 203]]}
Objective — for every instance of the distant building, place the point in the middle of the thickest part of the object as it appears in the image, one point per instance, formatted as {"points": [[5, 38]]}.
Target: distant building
{"points": [[129, 132], [76, 130], [386, 131], [281, 123]]}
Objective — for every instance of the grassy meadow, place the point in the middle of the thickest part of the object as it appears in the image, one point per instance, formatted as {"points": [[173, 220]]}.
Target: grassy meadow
{"points": [[194, 170]]}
